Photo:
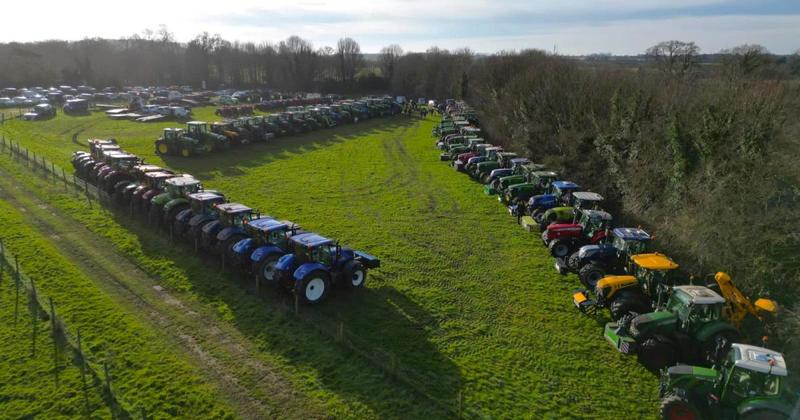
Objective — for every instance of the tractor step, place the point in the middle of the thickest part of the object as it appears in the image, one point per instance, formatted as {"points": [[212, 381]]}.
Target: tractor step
{"points": [[619, 339], [528, 223], [369, 261]]}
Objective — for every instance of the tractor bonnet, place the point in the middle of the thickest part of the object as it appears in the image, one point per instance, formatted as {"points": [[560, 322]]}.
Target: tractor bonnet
{"points": [[654, 261], [310, 240], [631, 234], [758, 359]]}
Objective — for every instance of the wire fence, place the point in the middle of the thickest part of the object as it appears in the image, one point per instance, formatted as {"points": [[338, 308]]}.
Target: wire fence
{"points": [[95, 374], [385, 360]]}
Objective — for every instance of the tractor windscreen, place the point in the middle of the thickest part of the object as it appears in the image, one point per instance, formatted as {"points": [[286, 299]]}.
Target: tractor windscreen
{"points": [[277, 237], [706, 313]]}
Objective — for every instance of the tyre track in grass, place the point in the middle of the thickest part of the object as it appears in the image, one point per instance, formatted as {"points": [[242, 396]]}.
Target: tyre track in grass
{"points": [[221, 353]]}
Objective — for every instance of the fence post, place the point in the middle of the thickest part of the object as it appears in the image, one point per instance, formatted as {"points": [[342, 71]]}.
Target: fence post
{"points": [[34, 317], [55, 339], [16, 285], [2, 260], [83, 373], [460, 404], [64, 177]]}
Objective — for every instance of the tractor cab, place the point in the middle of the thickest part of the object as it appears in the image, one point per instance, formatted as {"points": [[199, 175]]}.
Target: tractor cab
{"points": [[196, 129], [568, 214], [518, 162], [565, 238], [558, 192], [204, 202], [269, 231], [593, 262], [586, 200], [96, 144], [695, 306], [655, 272], [182, 186], [233, 214], [504, 159], [221, 234], [99, 152], [470, 131]]}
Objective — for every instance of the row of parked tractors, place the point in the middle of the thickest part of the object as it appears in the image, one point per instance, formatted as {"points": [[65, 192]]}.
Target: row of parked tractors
{"points": [[201, 137], [274, 252], [693, 334]]}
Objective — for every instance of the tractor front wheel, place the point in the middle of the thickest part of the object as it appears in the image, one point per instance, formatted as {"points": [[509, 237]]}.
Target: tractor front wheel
{"points": [[162, 148], [559, 248], [227, 246], [676, 407], [630, 304], [590, 274], [314, 287], [266, 269], [655, 354], [573, 261], [154, 215], [186, 152], [355, 275]]}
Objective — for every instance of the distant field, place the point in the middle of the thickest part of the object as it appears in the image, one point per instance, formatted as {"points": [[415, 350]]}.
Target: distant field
{"points": [[466, 304]]}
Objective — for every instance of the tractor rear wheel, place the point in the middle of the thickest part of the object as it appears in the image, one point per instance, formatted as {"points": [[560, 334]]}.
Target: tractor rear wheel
{"points": [[154, 215], [763, 414], [676, 407], [266, 269], [629, 304], [655, 354], [560, 248], [590, 274], [227, 246], [314, 287], [173, 212], [186, 152], [355, 275]]}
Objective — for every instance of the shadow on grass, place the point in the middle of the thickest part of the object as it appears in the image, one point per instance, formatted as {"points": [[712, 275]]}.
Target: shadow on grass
{"points": [[385, 359], [232, 162]]}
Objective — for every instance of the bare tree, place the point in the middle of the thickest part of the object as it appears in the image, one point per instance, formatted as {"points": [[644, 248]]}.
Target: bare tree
{"points": [[349, 54], [745, 60], [674, 57], [388, 59]]}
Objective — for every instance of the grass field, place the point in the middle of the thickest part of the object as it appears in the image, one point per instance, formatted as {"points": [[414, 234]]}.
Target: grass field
{"points": [[466, 304]]}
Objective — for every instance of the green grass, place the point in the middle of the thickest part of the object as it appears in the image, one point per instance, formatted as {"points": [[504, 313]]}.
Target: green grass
{"points": [[466, 300], [147, 373]]}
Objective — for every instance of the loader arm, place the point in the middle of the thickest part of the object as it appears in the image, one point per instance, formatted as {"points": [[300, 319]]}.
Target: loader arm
{"points": [[738, 305]]}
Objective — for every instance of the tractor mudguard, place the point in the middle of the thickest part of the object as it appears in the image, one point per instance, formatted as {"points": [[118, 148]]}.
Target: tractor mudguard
{"points": [[211, 229], [243, 247], [599, 237], [369, 261], [226, 233], [764, 405], [653, 323], [262, 252], [710, 329], [285, 263], [160, 199], [542, 201], [307, 268], [174, 202], [589, 253], [122, 184], [184, 216], [199, 219]]}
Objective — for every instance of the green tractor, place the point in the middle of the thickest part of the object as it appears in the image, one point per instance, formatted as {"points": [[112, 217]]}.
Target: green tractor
{"points": [[643, 284], [199, 131], [175, 142], [487, 155], [484, 169], [165, 206], [689, 328], [322, 118], [749, 383], [529, 180], [567, 214]]}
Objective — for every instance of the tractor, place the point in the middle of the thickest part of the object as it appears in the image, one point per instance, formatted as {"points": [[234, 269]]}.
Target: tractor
{"points": [[227, 129], [198, 130], [124, 189], [483, 170], [190, 221], [165, 206], [643, 285], [306, 119], [220, 235], [323, 119], [562, 239], [175, 142], [749, 383], [120, 168], [341, 113], [567, 214], [256, 128], [526, 181], [688, 328], [739, 308], [487, 155], [593, 262], [153, 183], [497, 186], [267, 241], [281, 127], [317, 263], [558, 193], [298, 125]]}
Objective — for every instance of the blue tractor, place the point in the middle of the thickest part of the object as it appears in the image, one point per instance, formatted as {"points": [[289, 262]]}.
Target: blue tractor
{"points": [[220, 235], [316, 264], [267, 241], [593, 262], [189, 222], [560, 192]]}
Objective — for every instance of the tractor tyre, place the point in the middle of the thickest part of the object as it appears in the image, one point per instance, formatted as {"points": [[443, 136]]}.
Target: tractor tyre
{"points": [[162, 148], [763, 414], [629, 304], [573, 261], [559, 248], [314, 287], [227, 246], [355, 275], [590, 274], [676, 407], [486, 178], [117, 199], [266, 269], [655, 354], [169, 218], [154, 215], [717, 345], [186, 152], [537, 215]]}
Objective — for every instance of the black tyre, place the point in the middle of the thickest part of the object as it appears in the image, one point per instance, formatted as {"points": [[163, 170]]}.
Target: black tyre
{"points": [[590, 274], [629, 304], [676, 407], [763, 414], [655, 354], [537, 215], [186, 152], [265, 270], [486, 178], [717, 345], [314, 287], [154, 215], [161, 148], [117, 198], [560, 248], [355, 275], [169, 218], [573, 261], [226, 247]]}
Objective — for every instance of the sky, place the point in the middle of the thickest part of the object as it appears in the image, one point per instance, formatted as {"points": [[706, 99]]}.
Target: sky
{"points": [[573, 27]]}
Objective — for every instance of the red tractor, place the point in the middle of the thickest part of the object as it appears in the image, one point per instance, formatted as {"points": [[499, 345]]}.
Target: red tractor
{"points": [[592, 228]]}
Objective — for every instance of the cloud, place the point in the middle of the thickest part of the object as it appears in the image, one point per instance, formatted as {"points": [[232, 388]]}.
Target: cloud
{"points": [[576, 26]]}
